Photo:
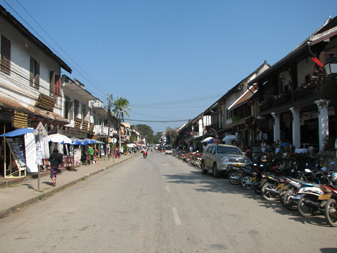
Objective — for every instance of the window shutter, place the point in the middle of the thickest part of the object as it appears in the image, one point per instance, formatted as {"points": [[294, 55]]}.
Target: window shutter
{"points": [[57, 87], [5, 55], [52, 83], [31, 74], [71, 111], [37, 76]]}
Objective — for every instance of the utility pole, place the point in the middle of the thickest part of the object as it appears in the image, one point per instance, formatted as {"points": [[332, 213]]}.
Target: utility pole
{"points": [[110, 98]]}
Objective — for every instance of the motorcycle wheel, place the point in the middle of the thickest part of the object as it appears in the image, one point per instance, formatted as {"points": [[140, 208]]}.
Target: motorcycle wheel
{"points": [[304, 209], [246, 182], [331, 212], [288, 201], [203, 170], [267, 195], [232, 177]]}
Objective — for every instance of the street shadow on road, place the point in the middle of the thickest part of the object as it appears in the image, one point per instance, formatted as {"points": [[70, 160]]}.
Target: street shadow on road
{"points": [[207, 183], [277, 207]]}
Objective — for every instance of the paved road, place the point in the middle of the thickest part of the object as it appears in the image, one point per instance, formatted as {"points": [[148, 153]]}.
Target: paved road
{"points": [[161, 204]]}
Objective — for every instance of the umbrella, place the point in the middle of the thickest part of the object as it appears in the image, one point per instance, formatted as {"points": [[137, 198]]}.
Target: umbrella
{"points": [[207, 139], [230, 138], [75, 141], [88, 141], [211, 140], [131, 145], [60, 138]]}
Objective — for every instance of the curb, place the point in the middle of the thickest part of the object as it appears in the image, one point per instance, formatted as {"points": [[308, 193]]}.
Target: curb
{"points": [[42, 196]]}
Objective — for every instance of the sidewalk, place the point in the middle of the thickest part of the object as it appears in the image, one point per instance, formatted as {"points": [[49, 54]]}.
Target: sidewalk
{"points": [[23, 192]]}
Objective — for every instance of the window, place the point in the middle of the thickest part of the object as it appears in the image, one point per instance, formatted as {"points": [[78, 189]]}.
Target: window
{"points": [[34, 73], [68, 109], [5, 55], [84, 111], [55, 85], [76, 105], [229, 150], [228, 114]]}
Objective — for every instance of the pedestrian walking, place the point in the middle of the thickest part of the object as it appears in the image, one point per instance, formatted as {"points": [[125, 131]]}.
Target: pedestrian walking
{"points": [[55, 160]]}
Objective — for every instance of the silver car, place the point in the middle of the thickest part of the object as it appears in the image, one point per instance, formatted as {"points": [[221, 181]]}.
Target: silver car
{"points": [[217, 157]]}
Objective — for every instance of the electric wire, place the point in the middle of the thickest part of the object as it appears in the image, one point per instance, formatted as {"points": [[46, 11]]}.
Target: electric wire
{"points": [[79, 72]]}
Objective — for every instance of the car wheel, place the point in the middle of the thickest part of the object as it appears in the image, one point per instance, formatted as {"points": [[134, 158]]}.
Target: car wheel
{"points": [[216, 173], [203, 170]]}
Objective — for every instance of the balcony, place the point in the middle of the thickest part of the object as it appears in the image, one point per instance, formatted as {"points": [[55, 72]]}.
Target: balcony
{"points": [[216, 126], [266, 104], [304, 90], [283, 97]]}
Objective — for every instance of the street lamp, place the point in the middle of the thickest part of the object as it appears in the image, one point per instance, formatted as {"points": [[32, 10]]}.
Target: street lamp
{"points": [[331, 71], [331, 65]]}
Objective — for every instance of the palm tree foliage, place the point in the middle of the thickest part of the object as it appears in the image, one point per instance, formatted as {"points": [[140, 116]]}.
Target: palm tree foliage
{"points": [[121, 105]]}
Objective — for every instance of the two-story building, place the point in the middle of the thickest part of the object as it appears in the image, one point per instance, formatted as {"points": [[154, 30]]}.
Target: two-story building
{"points": [[292, 100], [294, 93], [30, 93]]}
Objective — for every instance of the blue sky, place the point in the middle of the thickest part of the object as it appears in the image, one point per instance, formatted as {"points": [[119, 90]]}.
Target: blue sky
{"points": [[171, 59]]}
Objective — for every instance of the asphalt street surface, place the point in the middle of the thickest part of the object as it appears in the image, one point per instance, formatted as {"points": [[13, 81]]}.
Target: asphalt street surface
{"points": [[161, 204]]}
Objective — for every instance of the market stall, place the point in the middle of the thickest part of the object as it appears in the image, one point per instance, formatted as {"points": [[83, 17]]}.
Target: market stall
{"points": [[22, 152]]}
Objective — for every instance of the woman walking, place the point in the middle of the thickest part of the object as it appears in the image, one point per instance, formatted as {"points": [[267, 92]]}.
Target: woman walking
{"points": [[55, 160]]}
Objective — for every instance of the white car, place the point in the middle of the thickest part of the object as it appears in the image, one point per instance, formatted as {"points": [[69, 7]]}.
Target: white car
{"points": [[168, 150]]}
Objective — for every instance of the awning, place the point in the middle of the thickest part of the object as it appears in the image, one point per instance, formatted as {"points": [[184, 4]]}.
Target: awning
{"points": [[12, 105], [46, 116], [18, 132], [100, 142]]}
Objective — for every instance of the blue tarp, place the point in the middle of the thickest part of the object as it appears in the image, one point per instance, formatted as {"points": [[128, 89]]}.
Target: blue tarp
{"points": [[18, 132]]}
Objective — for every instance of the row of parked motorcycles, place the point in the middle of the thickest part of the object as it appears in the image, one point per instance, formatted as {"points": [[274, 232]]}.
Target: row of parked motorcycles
{"points": [[310, 191], [193, 158]]}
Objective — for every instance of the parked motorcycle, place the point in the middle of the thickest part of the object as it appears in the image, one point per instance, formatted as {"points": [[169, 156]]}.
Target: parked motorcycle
{"points": [[234, 174], [271, 187], [245, 180], [330, 210], [292, 188]]}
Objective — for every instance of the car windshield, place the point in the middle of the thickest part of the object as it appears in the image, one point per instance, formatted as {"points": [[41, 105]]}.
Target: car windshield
{"points": [[168, 148], [229, 150]]}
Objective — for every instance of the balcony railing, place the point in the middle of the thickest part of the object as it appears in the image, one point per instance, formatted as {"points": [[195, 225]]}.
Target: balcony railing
{"points": [[216, 126], [304, 90]]}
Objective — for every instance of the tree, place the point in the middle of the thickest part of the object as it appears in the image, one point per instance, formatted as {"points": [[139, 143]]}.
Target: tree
{"points": [[157, 137], [121, 105], [171, 135], [145, 131]]}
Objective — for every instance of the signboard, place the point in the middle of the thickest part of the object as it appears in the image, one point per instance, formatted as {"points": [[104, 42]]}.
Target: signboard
{"points": [[40, 130], [113, 140], [77, 156]]}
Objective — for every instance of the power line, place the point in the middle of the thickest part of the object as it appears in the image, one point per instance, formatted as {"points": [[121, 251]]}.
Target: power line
{"points": [[188, 100], [160, 121], [79, 72], [180, 107]]}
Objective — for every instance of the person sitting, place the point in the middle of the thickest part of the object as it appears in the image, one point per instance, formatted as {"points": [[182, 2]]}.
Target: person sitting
{"points": [[263, 146], [95, 159], [285, 146]]}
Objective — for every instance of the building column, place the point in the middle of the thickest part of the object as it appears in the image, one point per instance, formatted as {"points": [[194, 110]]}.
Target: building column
{"points": [[201, 128], [323, 121], [296, 127], [277, 129]]}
